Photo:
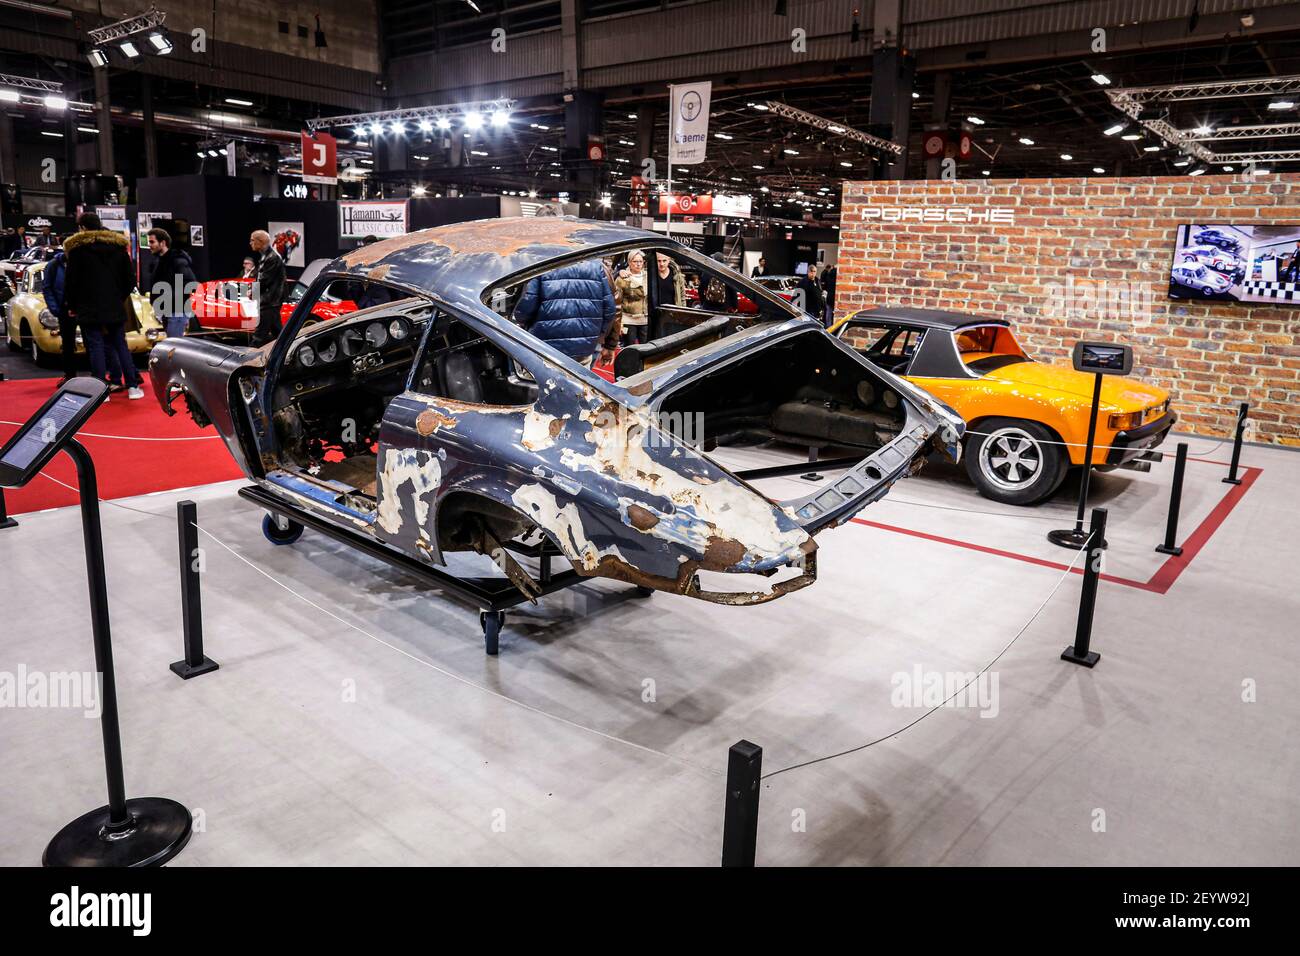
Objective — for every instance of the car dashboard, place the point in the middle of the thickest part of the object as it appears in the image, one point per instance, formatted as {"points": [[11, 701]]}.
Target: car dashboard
{"points": [[348, 351]]}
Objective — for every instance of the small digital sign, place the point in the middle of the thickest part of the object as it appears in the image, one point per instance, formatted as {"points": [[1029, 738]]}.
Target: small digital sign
{"points": [[1103, 358]]}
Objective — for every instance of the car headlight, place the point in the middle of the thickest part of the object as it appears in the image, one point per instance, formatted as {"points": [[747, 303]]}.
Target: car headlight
{"points": [[1126, 421], [48, 320]]}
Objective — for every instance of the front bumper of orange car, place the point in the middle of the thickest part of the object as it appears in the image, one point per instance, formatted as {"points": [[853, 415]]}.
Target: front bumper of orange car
{"points": [[1134, 442]]}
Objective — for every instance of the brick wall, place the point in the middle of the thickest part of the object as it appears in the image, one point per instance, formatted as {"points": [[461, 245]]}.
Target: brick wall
{"points": [[1089, 258]]}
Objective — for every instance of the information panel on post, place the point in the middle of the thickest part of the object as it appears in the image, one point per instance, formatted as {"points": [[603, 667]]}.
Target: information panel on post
{"points": [[41, 437]]}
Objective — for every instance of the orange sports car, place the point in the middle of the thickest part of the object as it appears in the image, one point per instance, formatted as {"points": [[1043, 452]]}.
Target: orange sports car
{"points": [[1027, 421]]}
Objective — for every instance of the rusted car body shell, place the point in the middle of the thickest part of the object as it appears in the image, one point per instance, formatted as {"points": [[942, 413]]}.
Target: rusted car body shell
{"points": [[585, 462]]}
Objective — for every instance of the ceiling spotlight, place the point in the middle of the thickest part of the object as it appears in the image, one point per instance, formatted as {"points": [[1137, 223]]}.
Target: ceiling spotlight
{"points": [[1026, 141], [397, 129], [1183, 162], [56, 102], [46, 132], [202, 155], [359, 131], [129, 48], [1150, 149], [1198, 171], [1098, 169], [1260, 171], [500, 118], [761, 107], [1227, 169], [1117, 128], [443, 123], [1282, 105], [845, 163], [915, 95], [605, 200], [986, 172], [1067, 157], [424, 126], [791, 152], [532, 194], [1203, 130], [9, 96], [473, 120], [97, 57], [1131, 136], [234, 102], [88, 129], [418, 191], [975, 120], [213, 153], [1101, 79], [161, 43], [376, 129], [723, 136]]}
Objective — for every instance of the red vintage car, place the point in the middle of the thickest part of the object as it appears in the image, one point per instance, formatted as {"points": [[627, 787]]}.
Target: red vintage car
{"points": [[229, 305]]}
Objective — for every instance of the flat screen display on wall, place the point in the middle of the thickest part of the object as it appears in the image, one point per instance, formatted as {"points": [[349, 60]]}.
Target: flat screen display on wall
{"points": [[1237, 263]]}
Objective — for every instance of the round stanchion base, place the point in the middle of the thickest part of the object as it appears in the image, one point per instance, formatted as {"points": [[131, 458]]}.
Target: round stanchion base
{"points": [[1087, 660], [812, 476], [159, 829], [9, 523], [1232, 481], [1175, 551], [1075, 538]]}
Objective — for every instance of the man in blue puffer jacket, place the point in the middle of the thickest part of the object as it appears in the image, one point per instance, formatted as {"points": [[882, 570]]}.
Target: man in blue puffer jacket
{"points": [[570, 308]]}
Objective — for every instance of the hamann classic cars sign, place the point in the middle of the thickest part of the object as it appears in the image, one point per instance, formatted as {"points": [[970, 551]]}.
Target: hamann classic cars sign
{"points": [[381, 218]]}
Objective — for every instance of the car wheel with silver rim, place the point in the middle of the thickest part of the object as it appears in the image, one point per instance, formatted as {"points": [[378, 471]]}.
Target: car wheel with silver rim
{"points": [[1015, 462]]}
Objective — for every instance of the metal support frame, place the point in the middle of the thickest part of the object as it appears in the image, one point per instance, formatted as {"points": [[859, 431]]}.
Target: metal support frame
{"points": [[149, 20], [486, 593], [1131, 100], [786, 111], [412, 114], [5, 520]]}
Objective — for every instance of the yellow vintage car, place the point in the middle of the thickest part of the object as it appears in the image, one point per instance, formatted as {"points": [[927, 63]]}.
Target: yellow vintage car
{"points": [[31, 327], [1027, 421]]}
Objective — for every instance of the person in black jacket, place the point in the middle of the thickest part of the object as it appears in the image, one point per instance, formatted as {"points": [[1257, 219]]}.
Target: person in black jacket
{"points": [[171, 283], [96, 292], [813, 302], [828, 291], [270, 287]]}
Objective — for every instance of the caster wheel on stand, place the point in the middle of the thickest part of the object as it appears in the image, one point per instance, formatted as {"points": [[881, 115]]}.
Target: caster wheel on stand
{"points": [[281, 530], [492, 622]]}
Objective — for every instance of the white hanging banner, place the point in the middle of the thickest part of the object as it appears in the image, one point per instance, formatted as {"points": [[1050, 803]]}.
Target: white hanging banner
{"points": [[689, 123]]}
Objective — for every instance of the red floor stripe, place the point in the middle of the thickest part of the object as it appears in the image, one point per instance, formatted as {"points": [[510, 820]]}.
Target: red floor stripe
{"points": [[1165, 575]]}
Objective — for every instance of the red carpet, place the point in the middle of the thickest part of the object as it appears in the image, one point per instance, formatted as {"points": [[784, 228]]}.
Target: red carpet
{"points": [[124, 468]]}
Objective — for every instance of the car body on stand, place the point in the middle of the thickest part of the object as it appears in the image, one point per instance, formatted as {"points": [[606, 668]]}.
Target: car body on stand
{"points": [[1027, 421], [433, 424], [1213, 257], [31, 327]]}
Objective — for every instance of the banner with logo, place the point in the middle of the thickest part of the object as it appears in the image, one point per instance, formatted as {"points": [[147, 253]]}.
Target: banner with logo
{"points": [[319, 158], [688, 130], [686, 205], [381, 218]]}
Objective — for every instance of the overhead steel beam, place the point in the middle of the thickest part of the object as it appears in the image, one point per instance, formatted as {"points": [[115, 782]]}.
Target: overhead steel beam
{"points": [[1246, 132], [786, 111], [122, 29], [413, 114]]}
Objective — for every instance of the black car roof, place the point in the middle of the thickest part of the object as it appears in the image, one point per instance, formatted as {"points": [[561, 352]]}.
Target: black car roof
{"points": [[924, 318]]}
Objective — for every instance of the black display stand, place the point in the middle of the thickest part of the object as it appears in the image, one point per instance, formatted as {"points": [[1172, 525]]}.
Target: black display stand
{"points": [[740, 812], [1238, 435], [1077, 537], [195, 662], [1080, 651], [5, 520], [144, 831], [1099, 358]]}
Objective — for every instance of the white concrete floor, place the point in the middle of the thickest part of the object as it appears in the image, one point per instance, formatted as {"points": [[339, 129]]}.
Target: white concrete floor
{"points": [[317, 744]]}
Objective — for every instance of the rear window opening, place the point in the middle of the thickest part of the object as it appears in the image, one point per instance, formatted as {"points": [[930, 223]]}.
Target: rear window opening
{"points": [[803, 391]]}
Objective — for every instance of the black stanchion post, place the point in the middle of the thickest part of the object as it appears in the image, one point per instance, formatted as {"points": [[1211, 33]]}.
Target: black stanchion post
{"points": [[1078, 652], [740, 817], [1175, 501], [5, 520], [143, 831], [813, 475], [187, 533], [1242, 412]]}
